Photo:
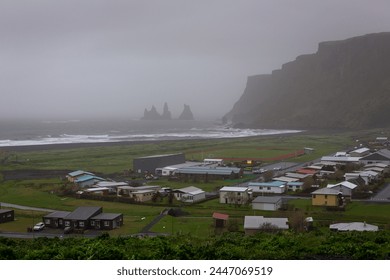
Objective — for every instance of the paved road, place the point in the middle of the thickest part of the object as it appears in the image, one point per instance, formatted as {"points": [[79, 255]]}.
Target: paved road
{"points": [[383, 195], [4, 204]]}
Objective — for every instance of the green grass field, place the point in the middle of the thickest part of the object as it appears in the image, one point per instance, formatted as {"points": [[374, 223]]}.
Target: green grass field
{"points": [[114, 159]]}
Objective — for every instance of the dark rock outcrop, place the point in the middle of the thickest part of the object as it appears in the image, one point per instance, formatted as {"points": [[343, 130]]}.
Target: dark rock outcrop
{"points": [[186, 114], [166, 115], [151, 114], [346, 84]]}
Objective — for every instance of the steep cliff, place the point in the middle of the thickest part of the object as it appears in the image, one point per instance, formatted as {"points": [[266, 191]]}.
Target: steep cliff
{"points": [[345, 84]]}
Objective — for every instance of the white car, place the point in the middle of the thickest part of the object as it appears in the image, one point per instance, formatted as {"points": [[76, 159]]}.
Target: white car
{"points": [[39, 226]]}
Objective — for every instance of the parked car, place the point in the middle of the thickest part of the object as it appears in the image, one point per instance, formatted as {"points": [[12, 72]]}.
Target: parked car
{"points": [[39, 226], [68, 230]]}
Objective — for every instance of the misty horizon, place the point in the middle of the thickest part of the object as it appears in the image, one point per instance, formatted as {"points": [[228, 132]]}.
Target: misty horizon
{"points": [[64, 60]]}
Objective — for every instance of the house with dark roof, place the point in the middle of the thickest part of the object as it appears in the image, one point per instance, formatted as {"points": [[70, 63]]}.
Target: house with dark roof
{"points": [[84, 217], [381, 156], [6, 215], [55, 219], [107, 221], [81, 217]]}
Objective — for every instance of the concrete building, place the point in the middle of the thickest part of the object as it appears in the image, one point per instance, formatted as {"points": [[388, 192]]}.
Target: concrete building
{"points": [[235, 195], [151, 163], [267, 203]]}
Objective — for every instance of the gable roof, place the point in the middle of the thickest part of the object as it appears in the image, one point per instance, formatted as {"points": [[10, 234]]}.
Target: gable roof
{"points": [[383, 154], [79, 173], [191, 190], [83, 212], [86, 178], [346, 184], [326, 191]]}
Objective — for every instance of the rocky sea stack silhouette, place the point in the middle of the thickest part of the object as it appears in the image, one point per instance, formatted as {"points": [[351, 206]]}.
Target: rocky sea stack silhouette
{"points": [[154, 115]]}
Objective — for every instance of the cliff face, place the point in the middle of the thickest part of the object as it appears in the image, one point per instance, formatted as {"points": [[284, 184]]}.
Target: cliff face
{"points": [[346, 84]]}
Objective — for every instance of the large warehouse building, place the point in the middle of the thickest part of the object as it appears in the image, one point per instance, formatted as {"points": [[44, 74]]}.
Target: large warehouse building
{"points": [[150, 163]]}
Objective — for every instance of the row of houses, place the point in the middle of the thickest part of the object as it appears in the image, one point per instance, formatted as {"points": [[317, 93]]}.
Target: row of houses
{"points": [[84, 217]]}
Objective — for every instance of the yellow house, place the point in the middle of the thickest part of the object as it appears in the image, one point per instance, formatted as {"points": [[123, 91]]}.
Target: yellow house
{"points": [[326, 197]]}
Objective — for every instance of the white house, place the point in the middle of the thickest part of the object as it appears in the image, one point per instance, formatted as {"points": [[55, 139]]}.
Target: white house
{"points": [[345, 188], [268, 203], [276, 187], [235, 195], [368, 176], [361, 152], [254, 224], [189, 194]]}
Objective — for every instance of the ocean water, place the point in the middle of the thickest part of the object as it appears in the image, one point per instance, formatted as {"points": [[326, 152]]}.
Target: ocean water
{"points": [[43, 132]]}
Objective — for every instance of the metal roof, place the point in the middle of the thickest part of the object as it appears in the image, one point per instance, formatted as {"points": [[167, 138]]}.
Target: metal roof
{"points": [[340, 159], [208, 170], [234, 189], [267, 184], [85, 178], [78, 173], [356, 226], [267, 199], [256, 222], [191, 190], [106, 216], [57, 214], [327, 191], [285, 179], [346, 184], [83, 212]]}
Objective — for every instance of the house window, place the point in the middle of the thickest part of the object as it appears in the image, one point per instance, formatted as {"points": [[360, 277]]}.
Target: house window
{"points": [[106, 223], [67, 223], [238, 194], [314, 196], [326, 196], [92, 223], [47, 221], [81, 224], [269, 188]]}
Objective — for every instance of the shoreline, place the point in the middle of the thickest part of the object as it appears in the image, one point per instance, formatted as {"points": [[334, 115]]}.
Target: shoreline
{"points": [[65, 146]]}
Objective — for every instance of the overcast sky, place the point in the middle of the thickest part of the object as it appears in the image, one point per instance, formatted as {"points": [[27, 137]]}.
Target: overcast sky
{"points": [[87, 58]]}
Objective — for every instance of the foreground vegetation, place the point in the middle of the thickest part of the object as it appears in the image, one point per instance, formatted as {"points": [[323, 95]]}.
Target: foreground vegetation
{"points": [[281, 246]]}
